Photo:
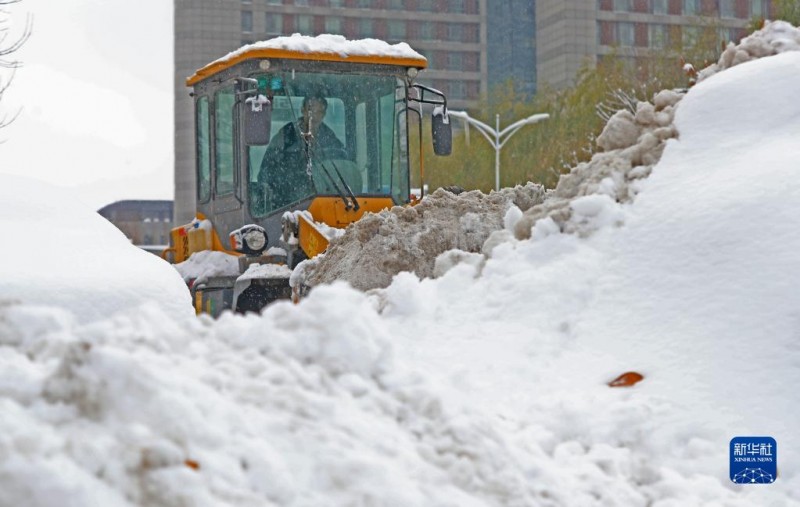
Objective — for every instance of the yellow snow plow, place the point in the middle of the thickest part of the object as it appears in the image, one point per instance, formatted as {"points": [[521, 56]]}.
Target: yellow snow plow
{"points": [[295, 136]]}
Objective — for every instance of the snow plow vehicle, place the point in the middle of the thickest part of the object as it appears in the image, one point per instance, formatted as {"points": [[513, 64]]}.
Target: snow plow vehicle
{"points": [[295, 137]]}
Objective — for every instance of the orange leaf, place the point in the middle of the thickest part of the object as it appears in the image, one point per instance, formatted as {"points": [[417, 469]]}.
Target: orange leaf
{"points": [[627, 379]]}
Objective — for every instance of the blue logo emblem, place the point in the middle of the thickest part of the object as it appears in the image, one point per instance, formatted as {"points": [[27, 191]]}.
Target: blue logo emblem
{"points": [[754, 460]]}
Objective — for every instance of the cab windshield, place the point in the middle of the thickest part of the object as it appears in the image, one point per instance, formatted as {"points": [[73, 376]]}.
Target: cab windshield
{"points": [[332, 134]]}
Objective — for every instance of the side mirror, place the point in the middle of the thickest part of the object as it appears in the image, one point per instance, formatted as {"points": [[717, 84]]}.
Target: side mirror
{"points": [[442, 131], [257, 120]]}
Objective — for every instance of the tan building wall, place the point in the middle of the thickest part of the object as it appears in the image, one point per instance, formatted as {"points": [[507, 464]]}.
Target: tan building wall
{"points": [[572, 32]]}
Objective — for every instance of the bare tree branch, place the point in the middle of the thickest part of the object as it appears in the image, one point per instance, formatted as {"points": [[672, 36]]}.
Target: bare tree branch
{"points": [[7, 48]]}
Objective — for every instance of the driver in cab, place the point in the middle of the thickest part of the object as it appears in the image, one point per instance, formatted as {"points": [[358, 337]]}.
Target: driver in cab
{"points": [[283, 168]]}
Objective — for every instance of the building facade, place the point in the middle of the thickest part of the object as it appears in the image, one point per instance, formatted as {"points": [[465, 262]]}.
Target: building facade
{"points": [[572, 32], [452, 34]]}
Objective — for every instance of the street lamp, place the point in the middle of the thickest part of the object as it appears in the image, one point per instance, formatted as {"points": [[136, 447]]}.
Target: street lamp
{"points": [[496, 137]]}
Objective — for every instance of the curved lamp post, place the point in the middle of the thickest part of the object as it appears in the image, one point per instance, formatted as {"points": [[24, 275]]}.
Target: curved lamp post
{"points": [[496, 137]]}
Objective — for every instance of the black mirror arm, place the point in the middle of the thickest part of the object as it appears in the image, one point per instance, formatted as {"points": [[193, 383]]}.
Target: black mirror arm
{"points": [[439, 100]]}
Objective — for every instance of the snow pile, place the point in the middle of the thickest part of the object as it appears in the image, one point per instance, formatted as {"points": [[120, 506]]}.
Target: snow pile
{"points": [[696, 290], [200, 266], [255, 271], [776, 37], [381, 245], [632, 144], [57, 252], [301, 406]]}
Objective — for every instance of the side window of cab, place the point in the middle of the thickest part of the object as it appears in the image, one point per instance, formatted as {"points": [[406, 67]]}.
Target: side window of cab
{"points": [[225, 122], [203, 146]]}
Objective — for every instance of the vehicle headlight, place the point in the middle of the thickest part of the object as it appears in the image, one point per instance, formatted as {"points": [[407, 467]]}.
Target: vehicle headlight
{"points": [[250, 240]]}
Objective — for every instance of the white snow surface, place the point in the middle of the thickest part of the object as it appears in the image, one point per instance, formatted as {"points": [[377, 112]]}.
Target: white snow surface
{"points": [[200, 266], [58, 252], [266, 271], [486, 386], [330, 43]]}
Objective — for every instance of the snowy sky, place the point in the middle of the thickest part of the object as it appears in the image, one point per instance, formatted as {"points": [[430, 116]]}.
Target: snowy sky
{"points": [[95, 99]]}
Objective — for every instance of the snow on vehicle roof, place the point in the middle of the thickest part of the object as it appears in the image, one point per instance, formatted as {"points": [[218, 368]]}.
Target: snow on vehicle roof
{"points": [[325, 47]]}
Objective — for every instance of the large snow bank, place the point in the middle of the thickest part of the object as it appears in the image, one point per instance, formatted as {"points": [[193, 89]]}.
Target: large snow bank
{"points": [[694, 285], [56, 252]]}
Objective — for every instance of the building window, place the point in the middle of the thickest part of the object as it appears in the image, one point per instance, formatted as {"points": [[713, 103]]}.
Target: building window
{"points": [[301, 3], [397, 5], [365, 27], [458, 90], [247, 21], [425, 5], [455, 61], [397, 29], [333, 24], [660, 6], [364, 4], [303, 24], [427, 30], [690, 35], [727, 8], [622, 5], [657, 36], [455, 32], [456, 6], [727, 35], [471, 33], [758, 10], [691, 7], [626, 34], [274, 23], [274, 2]]}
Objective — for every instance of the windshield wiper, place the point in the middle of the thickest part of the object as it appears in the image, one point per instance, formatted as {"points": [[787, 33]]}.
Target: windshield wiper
{"points": [[355, 204], [339, 191]]}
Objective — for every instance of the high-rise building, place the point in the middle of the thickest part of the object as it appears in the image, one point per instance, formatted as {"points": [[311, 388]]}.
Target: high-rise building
{"points": [[511, 39], [452, 34], [570, 32]]}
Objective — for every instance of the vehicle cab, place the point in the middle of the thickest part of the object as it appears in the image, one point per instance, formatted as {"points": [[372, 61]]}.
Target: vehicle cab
{"points": [[316, 124]]}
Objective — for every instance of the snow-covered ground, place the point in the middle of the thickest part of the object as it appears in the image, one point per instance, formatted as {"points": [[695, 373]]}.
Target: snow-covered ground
{"points": [[485, 386]]}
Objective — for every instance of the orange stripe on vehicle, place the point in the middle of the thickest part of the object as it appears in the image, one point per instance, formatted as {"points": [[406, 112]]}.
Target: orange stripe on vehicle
{"points": [[217, 67]]}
